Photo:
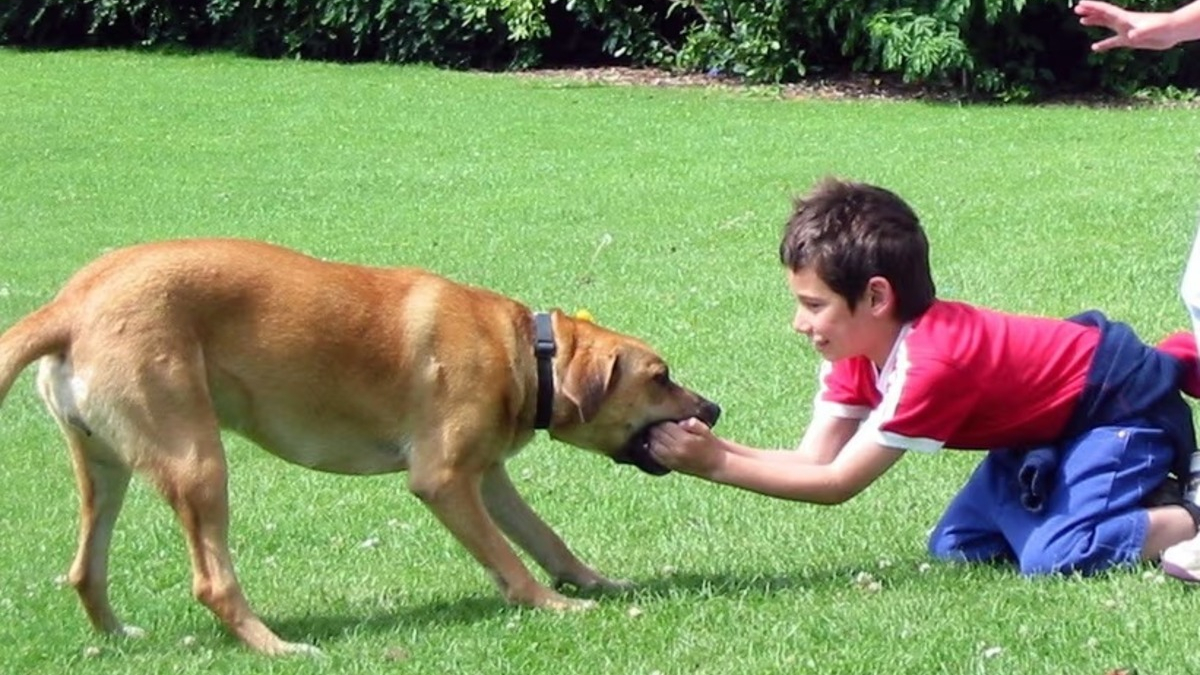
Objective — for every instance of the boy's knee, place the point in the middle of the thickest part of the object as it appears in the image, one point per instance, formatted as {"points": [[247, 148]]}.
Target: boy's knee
{"points": [[950, 546], [1043, 563], [1077, 552], [941, 547]]}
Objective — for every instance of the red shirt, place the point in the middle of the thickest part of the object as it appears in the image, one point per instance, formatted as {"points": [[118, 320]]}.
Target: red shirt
{"points": [[965, 377]]}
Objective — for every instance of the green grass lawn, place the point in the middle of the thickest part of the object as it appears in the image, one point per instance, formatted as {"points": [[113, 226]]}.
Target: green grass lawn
{"points": [[658, 210]]}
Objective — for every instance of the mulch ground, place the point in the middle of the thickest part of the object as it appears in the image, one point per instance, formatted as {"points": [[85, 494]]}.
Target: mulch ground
{"points": [[847, 87]]}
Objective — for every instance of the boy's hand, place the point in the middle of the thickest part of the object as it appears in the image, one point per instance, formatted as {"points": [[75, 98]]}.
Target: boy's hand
{"points": [[1134, 30], [688, 446]]}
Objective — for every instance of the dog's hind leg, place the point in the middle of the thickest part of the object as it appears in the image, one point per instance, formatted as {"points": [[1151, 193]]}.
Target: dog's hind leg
{"points": [[192, 476], [519, 521], [102, 477], [170, 434], [102, 486]]}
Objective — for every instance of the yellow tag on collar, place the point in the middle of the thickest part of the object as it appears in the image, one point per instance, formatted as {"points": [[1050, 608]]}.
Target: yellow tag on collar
{"points": [[584, 315]]}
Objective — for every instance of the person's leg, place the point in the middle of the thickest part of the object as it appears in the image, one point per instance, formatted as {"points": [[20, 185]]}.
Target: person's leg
{"points": [[1182, 560], [1094, 518], [1169, 526], [1189, 287], [968, 530]]}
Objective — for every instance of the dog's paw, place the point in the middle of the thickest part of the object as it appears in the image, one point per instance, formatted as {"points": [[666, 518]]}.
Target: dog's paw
{"points": [[561, 603], [576, 605], [617, 585], [127, 631], [594, 583], [300, 649]]}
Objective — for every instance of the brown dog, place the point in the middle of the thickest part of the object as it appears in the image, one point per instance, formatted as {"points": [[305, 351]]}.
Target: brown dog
{"points": [[149, 350]]}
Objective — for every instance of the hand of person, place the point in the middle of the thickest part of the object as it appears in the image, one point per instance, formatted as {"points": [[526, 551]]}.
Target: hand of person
{"points": [[1134, 30], [688, 446]]}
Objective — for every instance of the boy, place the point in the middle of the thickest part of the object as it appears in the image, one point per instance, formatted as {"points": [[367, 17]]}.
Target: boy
{"points": [[1083, 422]]}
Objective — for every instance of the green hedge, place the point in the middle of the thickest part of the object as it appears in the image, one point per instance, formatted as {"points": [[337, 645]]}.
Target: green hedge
{"points": [[1005, 48], [1013, 49]]}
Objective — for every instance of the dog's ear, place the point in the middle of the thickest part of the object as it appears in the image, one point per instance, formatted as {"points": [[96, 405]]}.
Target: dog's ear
{"points": [[588, 383]]}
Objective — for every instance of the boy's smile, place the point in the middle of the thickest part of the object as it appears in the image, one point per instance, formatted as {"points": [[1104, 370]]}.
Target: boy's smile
{"points": [[833, 328]]}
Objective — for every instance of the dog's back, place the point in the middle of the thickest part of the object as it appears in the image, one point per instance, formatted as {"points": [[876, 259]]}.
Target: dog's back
{"points": [[325, 364]]}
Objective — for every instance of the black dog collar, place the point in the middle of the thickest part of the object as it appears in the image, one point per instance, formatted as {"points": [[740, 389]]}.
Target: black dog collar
{"points": [[543, 349]]}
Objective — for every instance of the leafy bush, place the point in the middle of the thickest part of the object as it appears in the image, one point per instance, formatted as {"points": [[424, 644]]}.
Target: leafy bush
{"points": [[446, 32], [1009, 49], [919, 46]]}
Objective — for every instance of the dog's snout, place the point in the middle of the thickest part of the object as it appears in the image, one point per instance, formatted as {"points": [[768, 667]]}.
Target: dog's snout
{"points": [[709, 413]]}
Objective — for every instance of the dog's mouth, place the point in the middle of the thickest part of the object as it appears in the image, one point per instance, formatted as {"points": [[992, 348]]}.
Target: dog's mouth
{"points": [[637, 450]]}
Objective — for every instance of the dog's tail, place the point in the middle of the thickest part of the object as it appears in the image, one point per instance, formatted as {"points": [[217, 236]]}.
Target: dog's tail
{"points": [[45, 331]]}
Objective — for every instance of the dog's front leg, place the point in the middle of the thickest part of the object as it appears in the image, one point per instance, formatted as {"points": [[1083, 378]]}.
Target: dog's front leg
{"points": [[453, 494], [532, 534]]}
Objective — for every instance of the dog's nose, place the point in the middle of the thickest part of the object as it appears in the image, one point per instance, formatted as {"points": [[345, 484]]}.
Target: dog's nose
{"points": [[710, 412]]}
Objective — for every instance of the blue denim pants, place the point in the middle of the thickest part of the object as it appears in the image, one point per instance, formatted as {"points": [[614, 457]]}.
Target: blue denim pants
{"points": [[1091, 517]]}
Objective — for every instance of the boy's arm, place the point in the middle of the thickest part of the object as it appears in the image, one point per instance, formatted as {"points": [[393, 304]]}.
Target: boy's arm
{"points": [[824, 438], [856, 466], [692, 448]]}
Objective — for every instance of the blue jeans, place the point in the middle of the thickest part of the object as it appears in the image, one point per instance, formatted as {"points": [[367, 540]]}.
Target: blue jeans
{"points": [[1091, 519]]}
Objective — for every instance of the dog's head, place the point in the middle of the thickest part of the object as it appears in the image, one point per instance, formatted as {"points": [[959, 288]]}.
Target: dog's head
{"points": [[610, 389]]}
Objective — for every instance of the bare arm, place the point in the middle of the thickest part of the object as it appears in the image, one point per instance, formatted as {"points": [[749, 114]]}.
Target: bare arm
{"points": [[825, 438], [1140, 30], [692, 448], [822, 441]]}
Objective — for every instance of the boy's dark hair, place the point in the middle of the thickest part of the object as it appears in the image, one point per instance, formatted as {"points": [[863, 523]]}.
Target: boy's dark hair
{"points": [[849, 232]]}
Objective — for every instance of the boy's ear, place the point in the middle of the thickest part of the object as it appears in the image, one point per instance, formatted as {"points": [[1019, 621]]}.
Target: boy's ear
{"points": [[880, 295]]}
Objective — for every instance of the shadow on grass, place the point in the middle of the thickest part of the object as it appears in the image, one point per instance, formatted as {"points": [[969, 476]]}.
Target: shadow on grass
{"points": [[821, 580], [324, 628], [676, 587]]}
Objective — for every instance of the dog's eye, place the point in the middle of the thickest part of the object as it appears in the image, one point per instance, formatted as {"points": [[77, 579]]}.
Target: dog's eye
{"points": [[663, 377]]}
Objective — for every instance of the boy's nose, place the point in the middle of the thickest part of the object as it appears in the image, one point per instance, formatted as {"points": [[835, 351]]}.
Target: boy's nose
{"points": [[801, 325]]}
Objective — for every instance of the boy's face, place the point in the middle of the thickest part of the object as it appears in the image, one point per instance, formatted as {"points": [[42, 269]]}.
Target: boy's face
{"points": [[825, 318]]}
